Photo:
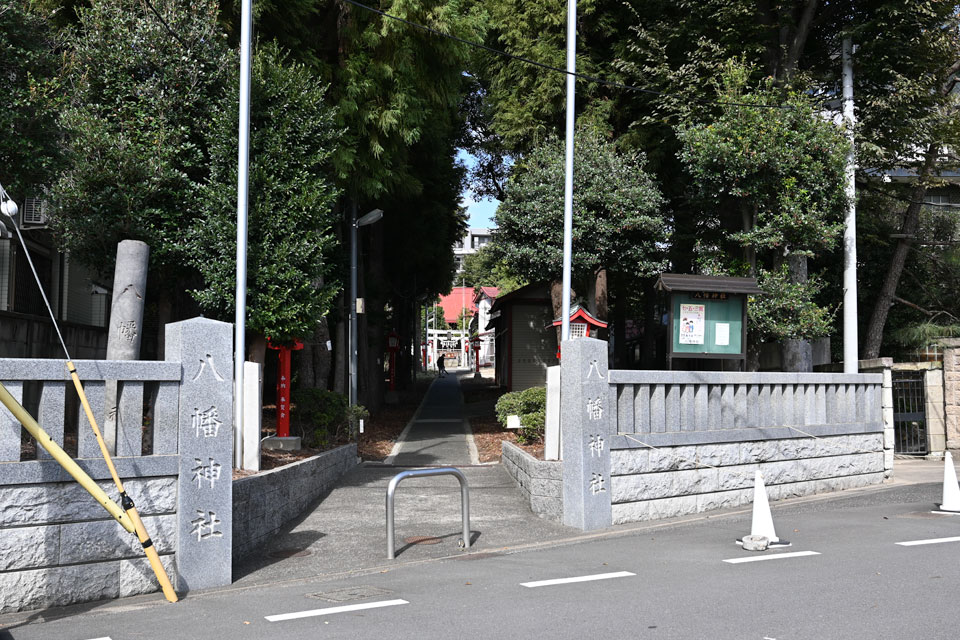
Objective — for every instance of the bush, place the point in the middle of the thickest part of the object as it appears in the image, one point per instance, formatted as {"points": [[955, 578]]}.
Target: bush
{"points": [[531, 405], [324, 417]]}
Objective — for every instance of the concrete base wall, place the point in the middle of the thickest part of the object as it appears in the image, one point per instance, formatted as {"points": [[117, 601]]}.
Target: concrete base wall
{"points": [[649, 484], [541, 482], [263, 503], [59, 547]]}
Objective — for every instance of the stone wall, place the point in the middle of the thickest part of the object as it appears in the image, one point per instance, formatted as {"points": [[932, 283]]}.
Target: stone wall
{"points": [[263, 503], [59, 547], [648, 484], [541, 482], [642, 445], [951, 390]]}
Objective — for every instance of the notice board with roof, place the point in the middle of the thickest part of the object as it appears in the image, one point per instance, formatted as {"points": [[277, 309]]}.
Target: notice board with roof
{"points": [[706, 316]]}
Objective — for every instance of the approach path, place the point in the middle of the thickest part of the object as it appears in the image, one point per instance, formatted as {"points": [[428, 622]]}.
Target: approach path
{"points": [[345, 532]]}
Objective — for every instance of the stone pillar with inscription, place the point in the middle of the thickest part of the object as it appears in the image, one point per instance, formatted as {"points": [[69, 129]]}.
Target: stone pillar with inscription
{"points": [[126, 323], [205, 490], [585, 424]]}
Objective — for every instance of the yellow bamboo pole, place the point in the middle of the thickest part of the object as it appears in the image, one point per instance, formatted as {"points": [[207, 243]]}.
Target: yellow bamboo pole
{"points": [[125, 501], [64, 459]]}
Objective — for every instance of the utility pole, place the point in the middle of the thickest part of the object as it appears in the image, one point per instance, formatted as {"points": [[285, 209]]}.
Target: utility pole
{"points": [[568, 178], [850, 338], [243, 165]]}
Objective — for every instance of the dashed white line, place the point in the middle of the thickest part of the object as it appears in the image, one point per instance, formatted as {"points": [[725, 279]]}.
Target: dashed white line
{"points": [[914, 543], [325, 612], [597, 576], [103, 638], [776, 556]]}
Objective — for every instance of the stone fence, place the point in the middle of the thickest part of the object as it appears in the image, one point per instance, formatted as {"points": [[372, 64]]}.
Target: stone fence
{"points": [[57, 545], [640, 445]]}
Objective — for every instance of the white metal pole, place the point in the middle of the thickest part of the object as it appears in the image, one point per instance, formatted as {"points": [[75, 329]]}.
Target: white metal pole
{"points": [[568, 179], [240, 320], [850, 338]]}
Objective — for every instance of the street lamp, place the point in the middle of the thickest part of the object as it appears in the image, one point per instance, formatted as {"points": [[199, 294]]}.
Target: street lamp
{"points": [[355, 224]]}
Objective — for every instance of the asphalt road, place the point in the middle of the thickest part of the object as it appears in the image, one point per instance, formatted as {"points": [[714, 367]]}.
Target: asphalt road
{"points": [[845, 576]]}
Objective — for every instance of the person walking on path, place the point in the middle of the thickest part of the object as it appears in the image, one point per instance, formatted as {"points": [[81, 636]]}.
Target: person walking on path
{"points": [[441, 368]]}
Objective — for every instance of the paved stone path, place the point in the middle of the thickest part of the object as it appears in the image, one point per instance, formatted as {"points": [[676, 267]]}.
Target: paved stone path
{"points": [[439, 433]]}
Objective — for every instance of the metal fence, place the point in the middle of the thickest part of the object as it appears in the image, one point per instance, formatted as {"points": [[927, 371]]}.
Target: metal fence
{"points": [[909, 413]]}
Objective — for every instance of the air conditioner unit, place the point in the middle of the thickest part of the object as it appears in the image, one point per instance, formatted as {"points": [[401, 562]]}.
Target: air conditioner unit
{"points": [[33, 215]]}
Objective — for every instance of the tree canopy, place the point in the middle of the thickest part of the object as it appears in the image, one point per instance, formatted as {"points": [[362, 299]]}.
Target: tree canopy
{"points": [[290, 258], [30, 151], [617, 221]]}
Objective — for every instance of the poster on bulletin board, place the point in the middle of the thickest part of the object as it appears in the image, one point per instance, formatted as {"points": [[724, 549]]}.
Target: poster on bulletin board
{"points": [[692, 320]]}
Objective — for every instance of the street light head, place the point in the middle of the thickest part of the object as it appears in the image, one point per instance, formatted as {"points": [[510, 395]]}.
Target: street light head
{"points": [[370, 218], [8, 208]]}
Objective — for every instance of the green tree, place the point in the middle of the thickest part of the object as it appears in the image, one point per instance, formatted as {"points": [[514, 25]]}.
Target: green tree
{"points": [[290, 252], [778, 166], [29, 69], [139, 103], [617, 223], [482, 269]]}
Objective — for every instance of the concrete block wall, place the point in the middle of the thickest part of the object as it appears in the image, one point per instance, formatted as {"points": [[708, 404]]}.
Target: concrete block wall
{"points": [[649, 484], [540, 481], [59, 547], [263, 503]]}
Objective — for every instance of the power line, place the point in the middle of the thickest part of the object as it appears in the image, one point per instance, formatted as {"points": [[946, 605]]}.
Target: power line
{"points": [[610, 83], [164, 23]]}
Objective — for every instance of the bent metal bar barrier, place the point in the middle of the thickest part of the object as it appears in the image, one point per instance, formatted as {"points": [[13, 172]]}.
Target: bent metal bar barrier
{"points": [[420, 473]]}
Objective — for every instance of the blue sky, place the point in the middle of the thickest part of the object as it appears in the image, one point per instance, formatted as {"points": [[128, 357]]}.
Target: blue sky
{"points": [[481, 212]]}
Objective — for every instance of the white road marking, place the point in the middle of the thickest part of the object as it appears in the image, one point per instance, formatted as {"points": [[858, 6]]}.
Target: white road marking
{"points": [[597, 576], [329, 610], [776, 556], [914, 543], [103, 638]]}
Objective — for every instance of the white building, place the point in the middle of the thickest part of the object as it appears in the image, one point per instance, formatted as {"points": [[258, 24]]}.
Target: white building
{"points": [[470, 243]]}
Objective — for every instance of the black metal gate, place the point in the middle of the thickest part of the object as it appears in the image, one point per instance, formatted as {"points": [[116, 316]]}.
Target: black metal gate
{"points": [[909, 413]]}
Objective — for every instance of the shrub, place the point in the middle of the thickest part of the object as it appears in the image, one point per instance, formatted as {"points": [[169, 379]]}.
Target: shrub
{"points": [[531, 405], [324, 417]]}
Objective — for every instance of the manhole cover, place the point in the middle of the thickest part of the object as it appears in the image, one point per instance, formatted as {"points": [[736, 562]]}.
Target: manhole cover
{"points": [[350, 593], [290, 553], [422, 540]]}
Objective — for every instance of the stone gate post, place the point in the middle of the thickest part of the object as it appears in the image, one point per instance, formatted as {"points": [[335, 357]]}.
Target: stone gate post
{"points": [[586, 419], [205, 489]]}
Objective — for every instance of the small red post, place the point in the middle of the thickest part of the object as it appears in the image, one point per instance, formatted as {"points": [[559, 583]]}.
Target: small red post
{"points": [[476, 354], [283, 385]]}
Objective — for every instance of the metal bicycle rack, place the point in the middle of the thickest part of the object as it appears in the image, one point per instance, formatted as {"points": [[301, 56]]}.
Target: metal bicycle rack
{"points": [[420, 473]]}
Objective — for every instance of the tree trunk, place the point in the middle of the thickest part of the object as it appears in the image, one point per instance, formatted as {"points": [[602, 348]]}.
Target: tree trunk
{"points": [[164, 317], [340, 353], [911, 221], [313, 362], [619, 314], [600, 295], [556, 300], [651, 324], [257, 349], [372, 330]]}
